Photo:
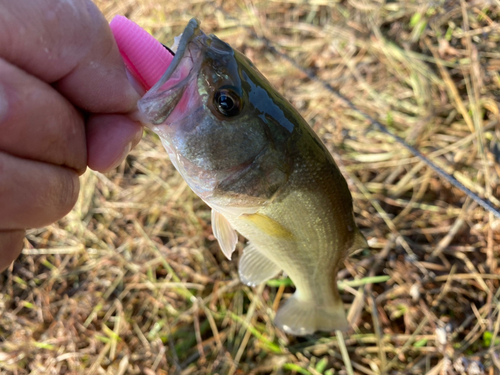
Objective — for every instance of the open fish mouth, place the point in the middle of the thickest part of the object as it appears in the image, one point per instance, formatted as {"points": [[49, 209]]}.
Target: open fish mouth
{"points": [[169, 95], [191, 31]]}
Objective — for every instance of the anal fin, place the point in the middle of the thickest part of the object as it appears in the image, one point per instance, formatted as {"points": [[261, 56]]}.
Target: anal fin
{"points": [[224, 233], [255, 268]]}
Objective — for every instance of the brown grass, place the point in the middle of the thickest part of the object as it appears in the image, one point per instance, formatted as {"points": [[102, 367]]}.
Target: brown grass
{"points": [[132, 281]]}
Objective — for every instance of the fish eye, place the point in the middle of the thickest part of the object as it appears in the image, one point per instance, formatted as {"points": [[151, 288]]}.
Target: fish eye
{"points": [[227, 102]]}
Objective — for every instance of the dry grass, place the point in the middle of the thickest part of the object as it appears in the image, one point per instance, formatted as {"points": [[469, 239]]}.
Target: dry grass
{"points": [[133, 282]]}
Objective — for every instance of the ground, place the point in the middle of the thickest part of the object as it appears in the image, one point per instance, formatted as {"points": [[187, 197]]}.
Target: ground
{"points": [[132, 281]]}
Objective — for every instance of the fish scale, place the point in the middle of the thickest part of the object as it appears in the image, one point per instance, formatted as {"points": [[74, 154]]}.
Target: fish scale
{"points": [[251, 157]]}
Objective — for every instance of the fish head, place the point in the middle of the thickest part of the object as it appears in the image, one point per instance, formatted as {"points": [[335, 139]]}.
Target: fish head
{"points": [[226, 130]]}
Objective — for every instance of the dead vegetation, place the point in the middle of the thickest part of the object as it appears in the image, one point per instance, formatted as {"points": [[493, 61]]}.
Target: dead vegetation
{"points": [[132, 281]]}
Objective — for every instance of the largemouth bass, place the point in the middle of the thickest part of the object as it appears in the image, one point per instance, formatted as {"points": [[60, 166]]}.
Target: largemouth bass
{"points": [[254, 160]]}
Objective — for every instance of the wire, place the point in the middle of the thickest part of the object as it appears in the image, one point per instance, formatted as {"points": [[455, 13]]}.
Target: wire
{"points": [[483, 202]]}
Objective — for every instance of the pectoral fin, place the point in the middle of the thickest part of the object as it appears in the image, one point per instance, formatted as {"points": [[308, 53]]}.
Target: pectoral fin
{"points": [[359, 243], [255, 268], [224, 233]]}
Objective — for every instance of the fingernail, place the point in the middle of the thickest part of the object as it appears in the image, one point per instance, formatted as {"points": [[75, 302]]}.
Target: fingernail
{"points": [[11, 245], [137, 138], [140, 118], [120, 159], [135, 83]]}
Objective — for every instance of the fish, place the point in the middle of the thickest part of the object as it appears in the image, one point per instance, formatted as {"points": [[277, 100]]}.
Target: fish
{"points": [[245, 151]]}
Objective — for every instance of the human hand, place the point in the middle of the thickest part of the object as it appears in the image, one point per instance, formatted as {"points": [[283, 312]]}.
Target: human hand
{"points": [[64, 105]]}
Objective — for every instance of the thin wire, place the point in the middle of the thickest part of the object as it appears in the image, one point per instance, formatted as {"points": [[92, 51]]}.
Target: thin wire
{"points": [[483, 202]]}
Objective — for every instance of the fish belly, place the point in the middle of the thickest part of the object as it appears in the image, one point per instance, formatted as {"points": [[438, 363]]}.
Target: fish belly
{"points": [[301, 236]]}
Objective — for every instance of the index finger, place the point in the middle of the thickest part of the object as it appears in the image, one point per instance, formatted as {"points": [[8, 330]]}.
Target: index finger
{"points": [[67, 43]]}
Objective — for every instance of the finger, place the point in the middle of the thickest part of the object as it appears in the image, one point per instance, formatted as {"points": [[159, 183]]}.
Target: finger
{"points": [[109, 139], [67, 43], [34, 194], [36, 122], [11, 244]]}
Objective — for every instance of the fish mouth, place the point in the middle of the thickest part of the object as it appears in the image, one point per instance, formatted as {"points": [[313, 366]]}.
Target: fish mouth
{"points": [[168, 93], [191, 31]]}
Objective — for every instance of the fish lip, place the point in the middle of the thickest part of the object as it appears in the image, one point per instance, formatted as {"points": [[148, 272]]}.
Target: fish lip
{"points": [[156, 107], [191, 31], [161, 100]]}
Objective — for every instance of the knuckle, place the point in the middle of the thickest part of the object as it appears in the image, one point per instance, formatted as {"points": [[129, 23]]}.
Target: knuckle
{"points": [[68, 191], [64, 193]]}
